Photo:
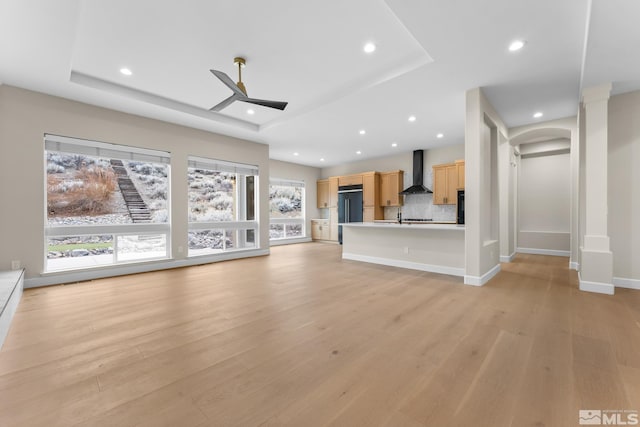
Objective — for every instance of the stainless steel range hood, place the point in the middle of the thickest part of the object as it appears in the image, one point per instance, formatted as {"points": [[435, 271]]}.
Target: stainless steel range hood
{"points": [[418, 175]]}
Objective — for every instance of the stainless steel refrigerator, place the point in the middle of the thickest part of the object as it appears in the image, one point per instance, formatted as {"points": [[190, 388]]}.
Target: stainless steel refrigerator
{"points": [[349, 206]]}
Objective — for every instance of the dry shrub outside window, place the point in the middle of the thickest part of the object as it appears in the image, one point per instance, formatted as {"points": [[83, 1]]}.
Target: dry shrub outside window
{"points": [[88, 193]]}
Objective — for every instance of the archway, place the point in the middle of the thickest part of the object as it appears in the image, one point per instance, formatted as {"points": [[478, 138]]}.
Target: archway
{"points": [[545, 200]]}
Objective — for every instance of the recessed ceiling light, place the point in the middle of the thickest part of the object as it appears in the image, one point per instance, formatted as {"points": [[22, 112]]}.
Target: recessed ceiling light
{"points": [[322, 159], [538, 115], [358, 152], [250, 111], [516, 45], [296, 154], [126, 71], [440, 135], [412, 118], [369, 47], [395, 144], [362, 132]]}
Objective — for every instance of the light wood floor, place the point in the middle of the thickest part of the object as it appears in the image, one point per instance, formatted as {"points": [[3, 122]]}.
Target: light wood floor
{"points": [[301, 338]]}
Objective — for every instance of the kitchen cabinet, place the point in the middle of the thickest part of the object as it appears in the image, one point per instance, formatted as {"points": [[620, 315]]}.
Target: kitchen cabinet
{"points": [[371, 197], [323, 193], [445, 184], [333, 224], [350, 180], [333, 192], [460, 167], [391, 184], [369, 213], [320, 229], [333, 208], [370, 182]]}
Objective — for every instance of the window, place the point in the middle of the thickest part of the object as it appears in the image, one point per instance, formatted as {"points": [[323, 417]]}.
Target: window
{"points": [[106, 204], [222, 206], [286, 209]]}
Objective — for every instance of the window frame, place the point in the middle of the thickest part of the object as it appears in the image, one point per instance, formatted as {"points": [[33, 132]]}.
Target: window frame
{"points": [[68, 145], [289, 221], [239, 226]]}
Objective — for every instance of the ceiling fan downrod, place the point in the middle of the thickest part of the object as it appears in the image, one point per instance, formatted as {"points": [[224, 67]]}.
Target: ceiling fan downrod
{"points": [[240, 62]]}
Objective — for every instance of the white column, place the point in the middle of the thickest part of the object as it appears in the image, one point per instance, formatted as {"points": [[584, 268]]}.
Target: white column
{"points": [[596, 269]]}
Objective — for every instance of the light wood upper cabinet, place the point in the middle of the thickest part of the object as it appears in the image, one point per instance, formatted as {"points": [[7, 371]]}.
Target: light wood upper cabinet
{"points": [[446, 183], [391, 184], [460, 167], [370, 192], [371, 197], [439, 185], [323, 193], [333, 192], [350, 180], [452, 185]]}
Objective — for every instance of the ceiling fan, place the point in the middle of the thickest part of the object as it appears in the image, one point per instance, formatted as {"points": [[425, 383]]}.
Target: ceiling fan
{"points": [[239, 91]]}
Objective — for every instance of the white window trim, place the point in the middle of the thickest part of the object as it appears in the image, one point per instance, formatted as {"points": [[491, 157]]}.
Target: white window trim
{"points": [[69, 145], [297, 220], [84, 230], [242, 170], [224, 225], [287, 221]]}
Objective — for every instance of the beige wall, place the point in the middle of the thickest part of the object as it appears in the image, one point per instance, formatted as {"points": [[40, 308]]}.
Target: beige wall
{"points": [[308, 174], [624, 184], [26, 116]]}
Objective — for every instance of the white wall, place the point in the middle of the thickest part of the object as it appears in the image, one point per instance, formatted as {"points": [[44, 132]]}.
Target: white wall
{"points": [[309, 175], [544, 204], [26, 116], [482, 245], [582, 179], [624, 185]]}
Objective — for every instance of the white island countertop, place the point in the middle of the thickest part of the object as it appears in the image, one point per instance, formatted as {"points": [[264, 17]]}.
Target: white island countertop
{"points": [[395, 225]]}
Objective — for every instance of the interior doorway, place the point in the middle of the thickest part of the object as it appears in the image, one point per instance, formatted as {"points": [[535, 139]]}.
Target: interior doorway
{"points": [[544, 195]]}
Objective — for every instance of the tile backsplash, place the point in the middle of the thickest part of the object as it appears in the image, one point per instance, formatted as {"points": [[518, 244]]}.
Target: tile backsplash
{"points": [[421, 206]]}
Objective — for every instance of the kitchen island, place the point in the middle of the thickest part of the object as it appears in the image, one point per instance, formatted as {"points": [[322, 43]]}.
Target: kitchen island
{"points": [[437, 248]]}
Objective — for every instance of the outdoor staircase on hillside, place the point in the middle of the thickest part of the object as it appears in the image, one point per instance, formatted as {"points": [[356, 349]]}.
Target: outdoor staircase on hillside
{"points": [[138, 210]]}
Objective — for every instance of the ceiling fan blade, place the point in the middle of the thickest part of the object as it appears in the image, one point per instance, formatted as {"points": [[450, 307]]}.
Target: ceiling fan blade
{"points": [[271, 104], [228, 82], [225, 103]]}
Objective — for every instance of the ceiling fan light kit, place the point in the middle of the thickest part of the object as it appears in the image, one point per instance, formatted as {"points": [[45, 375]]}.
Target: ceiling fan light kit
{"points": [[240, 91]]}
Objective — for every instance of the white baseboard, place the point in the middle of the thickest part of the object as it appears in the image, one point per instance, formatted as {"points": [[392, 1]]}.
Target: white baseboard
{"points": [[289, 241], [481, 280], [507, 258], [620, 282], [452, 271], [600, 288], [574, 265], [535, 251], [48, 279]]}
